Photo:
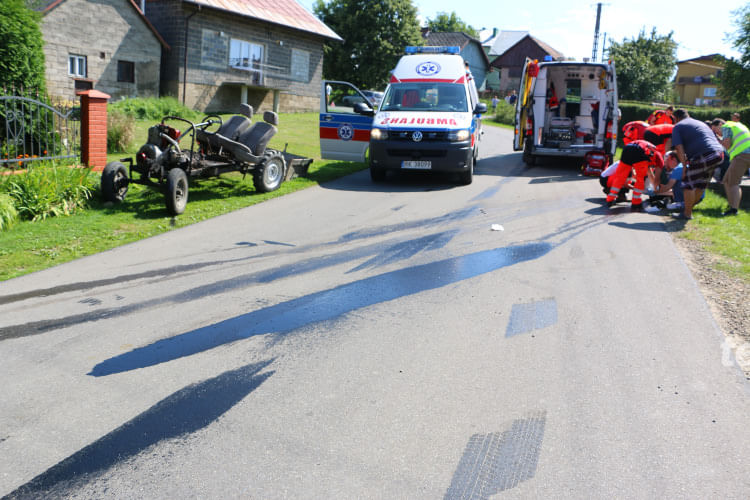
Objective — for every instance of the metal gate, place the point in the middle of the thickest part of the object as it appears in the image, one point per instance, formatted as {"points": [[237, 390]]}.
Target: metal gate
{"points": [[31, 130]]}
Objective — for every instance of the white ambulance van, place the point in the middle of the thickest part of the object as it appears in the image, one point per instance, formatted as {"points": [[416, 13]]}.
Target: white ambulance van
{"points": [[566, 109], [429, 118]]}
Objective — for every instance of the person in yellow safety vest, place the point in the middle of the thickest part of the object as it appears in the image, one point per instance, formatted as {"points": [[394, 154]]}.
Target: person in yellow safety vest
{"points": [[735, 137]]}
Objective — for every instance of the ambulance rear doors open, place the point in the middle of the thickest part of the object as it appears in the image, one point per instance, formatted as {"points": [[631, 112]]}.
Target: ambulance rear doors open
{"points": [[566, 109]]}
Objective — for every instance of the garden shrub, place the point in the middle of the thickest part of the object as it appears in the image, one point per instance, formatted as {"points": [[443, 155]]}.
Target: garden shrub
{"points": [[8, 213], [153, 108], [47, 191], [120, 131], [506, 113]]}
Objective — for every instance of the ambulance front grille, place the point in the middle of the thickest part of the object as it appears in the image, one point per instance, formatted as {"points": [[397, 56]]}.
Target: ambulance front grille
{"points": [[427, 136]]}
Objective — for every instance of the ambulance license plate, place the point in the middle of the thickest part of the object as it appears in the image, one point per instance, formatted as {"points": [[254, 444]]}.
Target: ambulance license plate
{"points": [[418, 165]]}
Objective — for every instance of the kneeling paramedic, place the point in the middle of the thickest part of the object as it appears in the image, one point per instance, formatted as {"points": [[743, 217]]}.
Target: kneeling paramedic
{"points": [[638, 156]]}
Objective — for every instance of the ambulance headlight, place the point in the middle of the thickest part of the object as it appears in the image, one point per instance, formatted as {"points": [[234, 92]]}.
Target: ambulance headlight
{"points": [[459, 135], [378, 134]]}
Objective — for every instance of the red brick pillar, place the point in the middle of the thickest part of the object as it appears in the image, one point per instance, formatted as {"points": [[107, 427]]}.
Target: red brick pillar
{"points": [[93, 128]]}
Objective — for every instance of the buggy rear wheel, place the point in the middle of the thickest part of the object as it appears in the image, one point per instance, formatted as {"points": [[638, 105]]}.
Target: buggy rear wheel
{"points": [[114, 184], [269, 174], [177, 191]]}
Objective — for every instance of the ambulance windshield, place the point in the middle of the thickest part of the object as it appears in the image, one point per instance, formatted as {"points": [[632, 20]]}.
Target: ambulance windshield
{"points": [[425, 96]]}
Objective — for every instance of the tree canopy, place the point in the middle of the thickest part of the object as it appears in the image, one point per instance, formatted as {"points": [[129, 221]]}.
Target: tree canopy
{"points": [[375, 33], [645, 66], [21, 53], [734, 83], [450, 23]]}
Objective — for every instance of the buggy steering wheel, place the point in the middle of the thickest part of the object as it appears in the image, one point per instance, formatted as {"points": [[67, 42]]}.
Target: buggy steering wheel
{"points": [[213, 120]]}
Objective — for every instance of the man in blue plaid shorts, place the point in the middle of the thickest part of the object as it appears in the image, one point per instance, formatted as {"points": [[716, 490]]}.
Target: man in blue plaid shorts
{"points": [[700, 152]]}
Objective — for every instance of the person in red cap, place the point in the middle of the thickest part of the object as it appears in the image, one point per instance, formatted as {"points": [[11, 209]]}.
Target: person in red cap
{"points": [[637, 156]]}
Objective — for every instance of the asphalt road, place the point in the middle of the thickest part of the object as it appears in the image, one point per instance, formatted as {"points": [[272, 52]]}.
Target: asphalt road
{"points": [[378, 341]]}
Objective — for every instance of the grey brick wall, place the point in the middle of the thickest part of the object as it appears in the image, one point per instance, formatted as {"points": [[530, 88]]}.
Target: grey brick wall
{"points": [[105, 31], [212, 85]]}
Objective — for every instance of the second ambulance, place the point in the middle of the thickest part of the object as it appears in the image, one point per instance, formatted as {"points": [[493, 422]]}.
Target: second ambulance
{"points": [[429, 118]]}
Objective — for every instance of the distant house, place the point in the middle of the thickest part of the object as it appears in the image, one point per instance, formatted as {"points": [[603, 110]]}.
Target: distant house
{"points": [[512, 55], [471, 51], [496, 44], [696, 81], [268, 54], [107, 45]]}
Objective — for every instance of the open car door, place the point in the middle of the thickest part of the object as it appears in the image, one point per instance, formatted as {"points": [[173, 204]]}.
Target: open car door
{"points": [[530, 70], [344, 133]]}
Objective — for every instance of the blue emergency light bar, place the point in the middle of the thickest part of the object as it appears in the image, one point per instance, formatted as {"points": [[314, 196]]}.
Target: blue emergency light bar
{"points": [[433, 49]]}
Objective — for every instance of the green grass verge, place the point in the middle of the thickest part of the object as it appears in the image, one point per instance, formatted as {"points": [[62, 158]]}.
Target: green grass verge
{"points": [[728, 237], [32, 246]]}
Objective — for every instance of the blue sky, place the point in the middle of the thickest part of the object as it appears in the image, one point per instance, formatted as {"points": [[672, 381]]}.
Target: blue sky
{"points": [[700, 27]]}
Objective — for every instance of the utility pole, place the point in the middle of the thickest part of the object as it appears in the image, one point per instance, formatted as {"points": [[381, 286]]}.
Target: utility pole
{"points": [[596, 32]]}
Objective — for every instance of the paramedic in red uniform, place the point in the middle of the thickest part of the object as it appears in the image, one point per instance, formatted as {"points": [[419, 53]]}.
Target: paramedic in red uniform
{"points": [[638, 156], [661, 116], [660, 136], [633, 131]]}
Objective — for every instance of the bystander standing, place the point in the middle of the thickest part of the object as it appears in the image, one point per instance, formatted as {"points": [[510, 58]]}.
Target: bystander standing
{"points": [[700, 152], [736, 140]]}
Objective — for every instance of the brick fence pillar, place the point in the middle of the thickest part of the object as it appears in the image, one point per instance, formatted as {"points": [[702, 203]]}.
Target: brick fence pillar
{"points": [[93, 128]]}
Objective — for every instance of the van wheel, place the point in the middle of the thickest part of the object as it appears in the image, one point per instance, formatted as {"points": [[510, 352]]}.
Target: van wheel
{"points": [[528, 158], [466, 177], [377, 174]]}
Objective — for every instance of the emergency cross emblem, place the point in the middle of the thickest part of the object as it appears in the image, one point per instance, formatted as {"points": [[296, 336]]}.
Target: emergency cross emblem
{"points": [[428, 68], [346, 132]]}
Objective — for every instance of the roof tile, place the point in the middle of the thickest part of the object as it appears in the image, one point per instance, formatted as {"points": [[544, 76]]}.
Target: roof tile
{"points": [[287, 13]]}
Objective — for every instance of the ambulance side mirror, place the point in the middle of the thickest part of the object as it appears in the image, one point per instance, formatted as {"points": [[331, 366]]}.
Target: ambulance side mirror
{"points": [[480, 108], [363, 109]]}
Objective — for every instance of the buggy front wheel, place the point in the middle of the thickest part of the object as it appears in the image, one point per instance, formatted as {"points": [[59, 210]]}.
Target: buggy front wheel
{"points": [[269, 174], [114, 184], [177, 191]]}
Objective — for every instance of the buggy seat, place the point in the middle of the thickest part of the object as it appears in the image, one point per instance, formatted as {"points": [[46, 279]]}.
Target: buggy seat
{"points": [[231, 129], [251, 144]]}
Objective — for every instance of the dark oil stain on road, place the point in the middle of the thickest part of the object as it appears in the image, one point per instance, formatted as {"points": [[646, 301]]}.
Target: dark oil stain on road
{"points": [[497, 462], [223, 286], [532, 316], [173, 271], [186, 411], [117, 280], [323, 306], [407, 249]]}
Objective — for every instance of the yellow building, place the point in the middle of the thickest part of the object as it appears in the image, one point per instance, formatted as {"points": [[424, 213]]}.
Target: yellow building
{"points": [[696, 82]]}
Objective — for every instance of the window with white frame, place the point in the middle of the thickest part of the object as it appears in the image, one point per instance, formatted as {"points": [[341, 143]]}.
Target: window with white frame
{"points": [[709, 92], [247, 56], [77, 65]]}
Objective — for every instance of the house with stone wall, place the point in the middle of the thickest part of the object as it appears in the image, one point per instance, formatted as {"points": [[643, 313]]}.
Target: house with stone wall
{"points": [[106, 45], [268, 54]]}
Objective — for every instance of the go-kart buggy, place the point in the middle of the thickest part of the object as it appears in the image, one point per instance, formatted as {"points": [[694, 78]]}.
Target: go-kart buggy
{"points": [[237, 145]]}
